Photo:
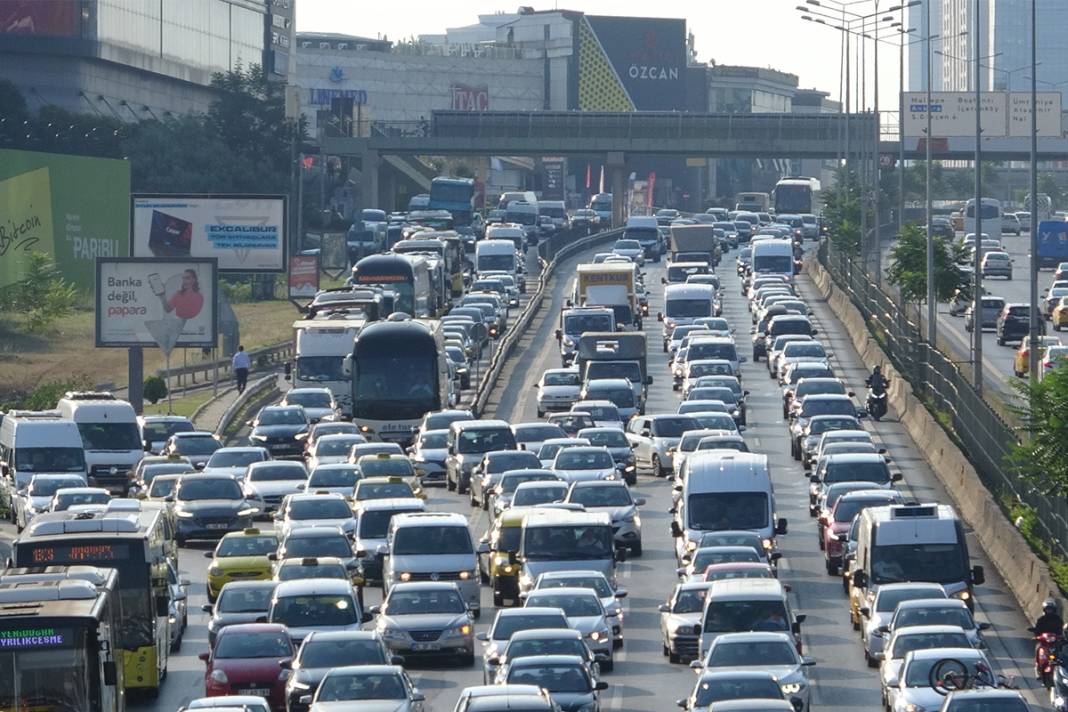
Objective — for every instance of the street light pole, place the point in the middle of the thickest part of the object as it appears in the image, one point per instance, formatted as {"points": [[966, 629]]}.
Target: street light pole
{"points": [[901, 126], [977, 297], [875, 164], [1033, 331], [932, 310]]}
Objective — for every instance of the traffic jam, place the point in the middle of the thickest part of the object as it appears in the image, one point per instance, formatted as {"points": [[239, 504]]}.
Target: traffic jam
{"points": [[369, 535]]}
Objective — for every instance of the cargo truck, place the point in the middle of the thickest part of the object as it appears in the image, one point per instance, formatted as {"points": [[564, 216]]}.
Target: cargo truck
{"points": [[690, 241], [615, 355], [321, 348], [608, 285]]}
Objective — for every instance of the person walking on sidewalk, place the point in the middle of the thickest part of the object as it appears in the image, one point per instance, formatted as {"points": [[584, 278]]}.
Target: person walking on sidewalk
{"points": [[241, 364]]}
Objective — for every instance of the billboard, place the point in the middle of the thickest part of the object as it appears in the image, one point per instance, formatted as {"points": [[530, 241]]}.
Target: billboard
{"points": [[632, 63], [469, 98], [42, 18], [1002, 114], [245, 233], [157, 301], [303, 276], [70, 207]]}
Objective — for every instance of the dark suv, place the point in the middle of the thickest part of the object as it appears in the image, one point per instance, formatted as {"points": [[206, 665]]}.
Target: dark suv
{"points": [[1014, 323]]}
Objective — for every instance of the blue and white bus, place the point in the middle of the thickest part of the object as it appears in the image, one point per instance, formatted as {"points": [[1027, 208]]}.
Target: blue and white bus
{"points": [[798, 195]]}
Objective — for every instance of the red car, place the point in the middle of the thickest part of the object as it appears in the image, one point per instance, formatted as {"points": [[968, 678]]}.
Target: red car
{"points": [[840, 518], [250, 659]]}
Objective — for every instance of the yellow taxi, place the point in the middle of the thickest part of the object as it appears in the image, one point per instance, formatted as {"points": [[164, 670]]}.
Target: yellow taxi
{"points": [[1060, 314], [386, 464], [499, 567], [240, 556], [1021, 364], [384, 488]]}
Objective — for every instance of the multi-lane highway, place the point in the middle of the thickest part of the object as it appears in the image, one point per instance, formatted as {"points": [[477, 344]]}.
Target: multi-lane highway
{"points": [[643, 679]]}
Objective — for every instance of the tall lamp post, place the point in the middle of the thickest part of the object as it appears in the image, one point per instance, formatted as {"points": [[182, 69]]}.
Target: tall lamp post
{"points": [[1033, 365], [977, 265]]}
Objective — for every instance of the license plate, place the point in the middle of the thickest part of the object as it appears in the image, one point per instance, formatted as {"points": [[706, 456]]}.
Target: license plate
{"points": [[421, 647], [256, 691], [218, 526]]}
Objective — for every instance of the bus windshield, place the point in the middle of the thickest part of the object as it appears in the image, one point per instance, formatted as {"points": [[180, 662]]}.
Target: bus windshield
{"points": [[320, 368], [44, 667], [793, 199], [395, 386]]}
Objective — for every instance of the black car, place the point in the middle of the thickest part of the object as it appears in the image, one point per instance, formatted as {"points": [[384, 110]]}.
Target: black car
{"points": [[209, 506], [942, 227], [281, 429], [322, 651], [1014, 323]]}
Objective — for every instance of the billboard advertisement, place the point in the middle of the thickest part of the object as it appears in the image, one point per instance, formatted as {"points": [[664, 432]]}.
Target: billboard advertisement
{"points": [[41, 18], [73, 208], [469, 98], [245, 233], [632, 63], [1002, 114], [163, 302], [303, 276]]}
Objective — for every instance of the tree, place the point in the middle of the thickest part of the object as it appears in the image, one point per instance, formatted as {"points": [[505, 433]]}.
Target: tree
{"points": [[841, 211], [154, 389], [1048, 184], [908, 266], [1043, 459]]}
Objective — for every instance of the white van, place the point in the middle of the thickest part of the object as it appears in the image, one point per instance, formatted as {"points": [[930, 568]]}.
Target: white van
{"points": [[773, 257], [498, 253], [722, 491], [912, 542], [684, 304], [743, 605], [36, 443], [433, 546], [110, 436]]}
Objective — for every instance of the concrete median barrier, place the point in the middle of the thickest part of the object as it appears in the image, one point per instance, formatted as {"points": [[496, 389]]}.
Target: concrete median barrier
{"points": [[1024, 572]]}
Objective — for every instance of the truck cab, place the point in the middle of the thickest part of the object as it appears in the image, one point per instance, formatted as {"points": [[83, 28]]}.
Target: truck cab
{"points": [[576, 321]]}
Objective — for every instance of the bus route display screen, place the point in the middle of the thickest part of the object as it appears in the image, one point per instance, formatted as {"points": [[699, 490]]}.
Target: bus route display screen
{"points": [[49, 554], [35, 638]]}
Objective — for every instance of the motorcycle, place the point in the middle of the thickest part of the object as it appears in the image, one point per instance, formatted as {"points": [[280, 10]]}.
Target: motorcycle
{"points": [[876, 404], [1046, 645], [1059, 691]]}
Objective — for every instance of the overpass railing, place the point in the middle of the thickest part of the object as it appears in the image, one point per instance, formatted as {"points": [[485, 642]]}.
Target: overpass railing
{"points": [[943, 385]]}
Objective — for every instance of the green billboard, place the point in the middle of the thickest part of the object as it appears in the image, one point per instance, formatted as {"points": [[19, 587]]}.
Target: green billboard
{"points": [[74, 208]]}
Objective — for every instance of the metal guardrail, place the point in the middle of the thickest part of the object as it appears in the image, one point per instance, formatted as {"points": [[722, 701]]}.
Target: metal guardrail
{"points": [[184, 376], [561, 245], [939, 381]]}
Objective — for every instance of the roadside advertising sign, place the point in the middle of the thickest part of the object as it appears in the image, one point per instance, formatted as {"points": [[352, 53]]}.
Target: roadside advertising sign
{"points": [[160, 301], [245, 233], [303, 276]]}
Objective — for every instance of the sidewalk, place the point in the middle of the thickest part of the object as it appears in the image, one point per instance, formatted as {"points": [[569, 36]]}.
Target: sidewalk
{"points": [[212, 413]]}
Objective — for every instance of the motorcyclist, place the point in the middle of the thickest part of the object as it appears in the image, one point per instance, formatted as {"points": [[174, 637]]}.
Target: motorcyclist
{"points": [[877, 381], [1050, 621]]}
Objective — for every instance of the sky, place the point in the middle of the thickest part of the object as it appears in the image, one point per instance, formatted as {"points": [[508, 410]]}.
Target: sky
{"points": [[763, 33]]}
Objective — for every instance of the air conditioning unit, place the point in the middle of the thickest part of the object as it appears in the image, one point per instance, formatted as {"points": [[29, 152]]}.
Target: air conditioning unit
{"points": [[324, 45], [343, 45]]}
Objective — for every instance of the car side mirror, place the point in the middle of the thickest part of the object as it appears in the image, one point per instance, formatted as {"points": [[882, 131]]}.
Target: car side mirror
{"points": [[682, 703], [978, 576], [780, 527], [639, 502], [884, 629], [775, 555], [621, 593], [482, 636], [417, 696], [366, 617], [305, 699], [676, 530], [896, 477], [983, 626], [664, 608], [483, 547], [620, 555], [814, 479], [860, 579], [209, 554], [648, 380], [865, 611], [601, 686], [111, 673], [204, 656]]}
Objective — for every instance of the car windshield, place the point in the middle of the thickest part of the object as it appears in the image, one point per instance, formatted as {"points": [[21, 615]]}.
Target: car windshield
{"points": [[719, 689], [110, 436], [530, 496], [427, 539], [572, 606], [234, 458], [308, 399], [804, 349], [610, 438], [614, 369], [162, 487], [918, 672], [601, 496], [547, 646], [47, 486], [571, 542], [561, 379], [243, 545], [538, 433], [316, 546], [515, 460], [314, 610], [197, 488], [905, 644], [333, 477], [65, 501], [672, 427], [598, 583], [244, 600], [509, 483], [362, 686], [739, 616], [415, 602], [713, 350], [161, 430], [506, 626], [253, 645], [319, 508], [338, 653], [998, 704], [281, 416], [383, 490], [554, 678], [690, 601], [281, 472], [942, 615], [887, 600], [751, 653], [824, 425], [576, 459], [295, 571], [874, 472], [717, 368], [481, 440], [717, 555], [688, 308], [604, 412], [386, 467], [197, 445], [434, 441], [728, 510], [335, 446], [846, 509]]}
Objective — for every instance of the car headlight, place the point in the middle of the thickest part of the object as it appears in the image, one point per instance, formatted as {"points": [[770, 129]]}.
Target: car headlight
{"points": [[598, 635], [464, 629], [630, 519], [298, 685], [389, 633], [913, 707], [258, 438], [466, 575], [184, 514], [405, 576], [214, 571], [963, 595], [248, 511], [220, 677], [791, 688]]}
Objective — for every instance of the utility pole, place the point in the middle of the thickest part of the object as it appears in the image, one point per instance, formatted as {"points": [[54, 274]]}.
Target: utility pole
{"points": [[977, 297], [932, 305], [1033, 365], [901, 123], [875, 160]]}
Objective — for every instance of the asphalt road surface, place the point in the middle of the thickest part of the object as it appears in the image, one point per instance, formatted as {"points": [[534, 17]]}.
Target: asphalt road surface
{"points": [[643, 679]]}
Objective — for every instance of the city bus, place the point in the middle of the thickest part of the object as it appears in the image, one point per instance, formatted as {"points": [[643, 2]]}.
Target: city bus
{"points": [[798, 195], [991, 218], [457, 195], [399, 374], [132, 540], [753, 202], [58, 637], [408, 276]]}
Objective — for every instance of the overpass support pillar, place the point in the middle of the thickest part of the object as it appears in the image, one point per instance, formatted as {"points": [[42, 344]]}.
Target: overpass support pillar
{"points": [[371, 161], [616, 163]]}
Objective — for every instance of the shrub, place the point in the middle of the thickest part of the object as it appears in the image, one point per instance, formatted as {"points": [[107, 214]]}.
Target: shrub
{"points": [[155, 389]]}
